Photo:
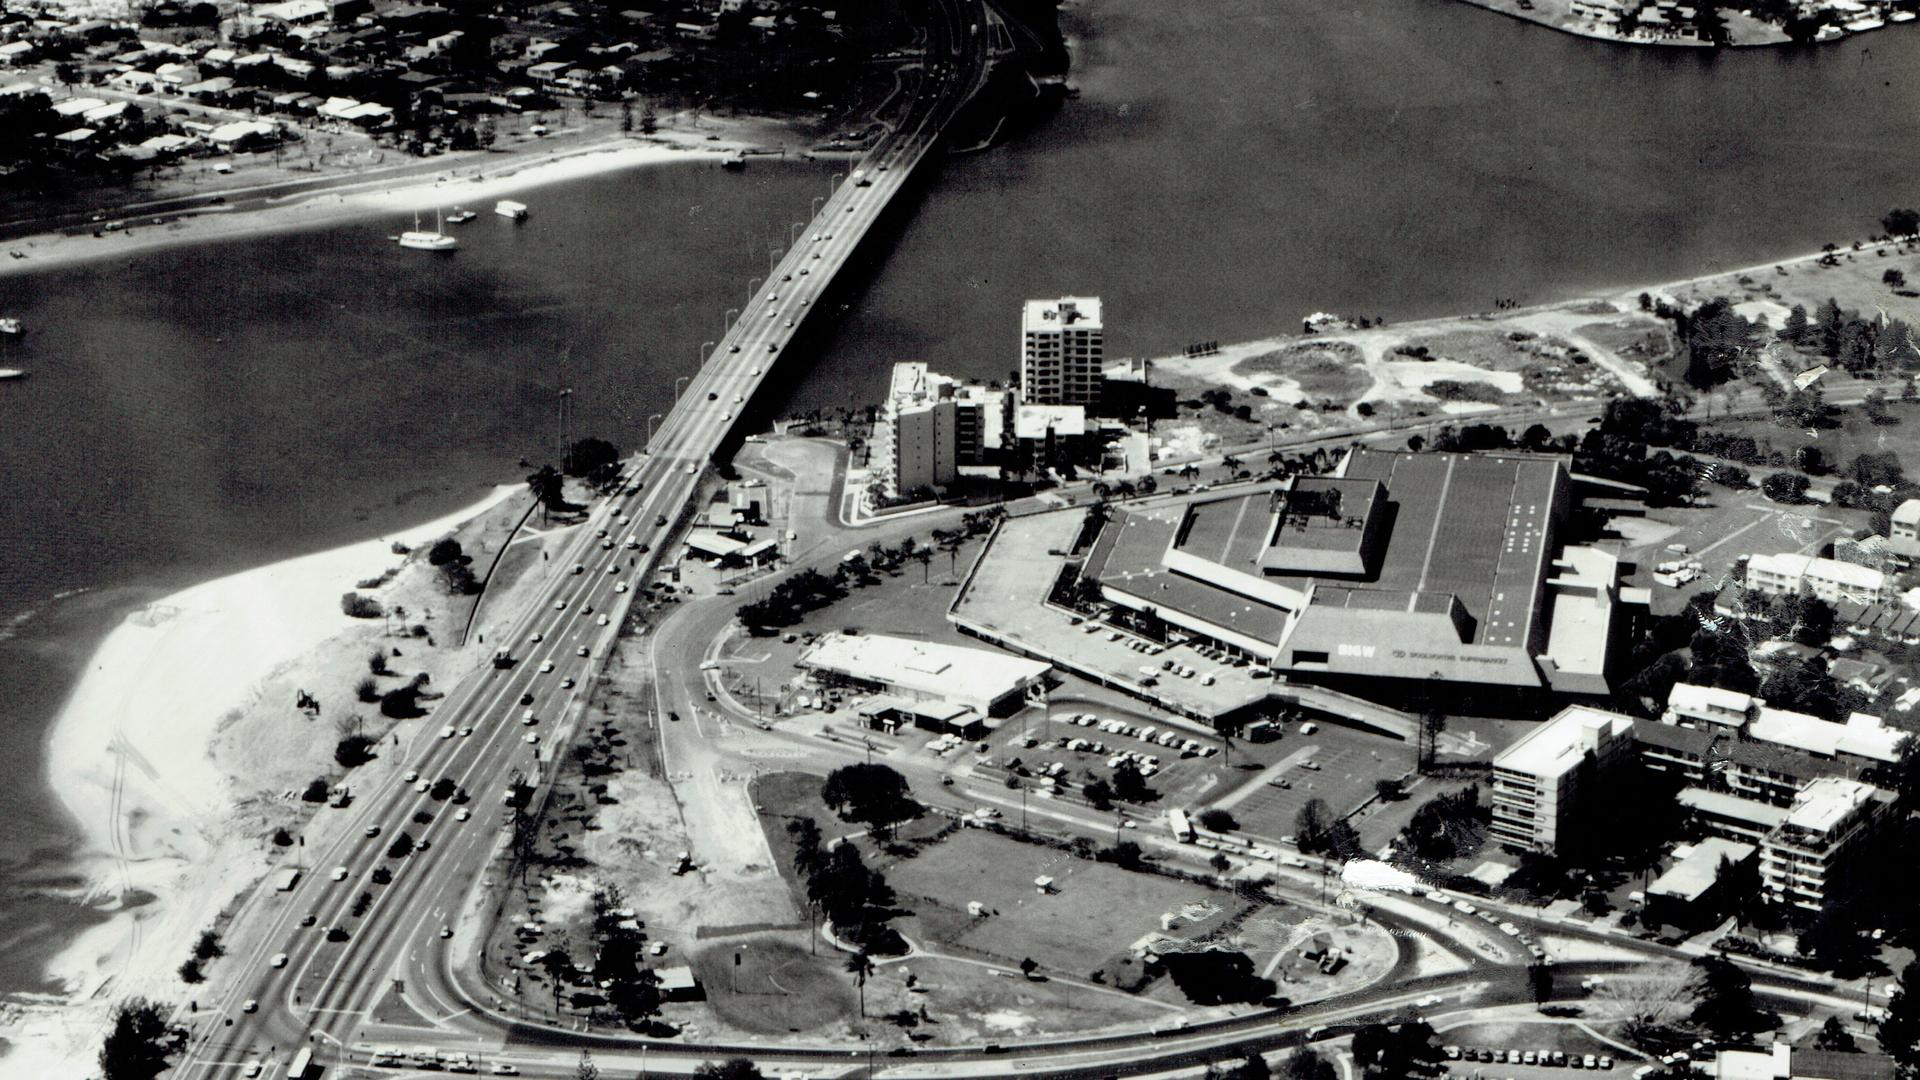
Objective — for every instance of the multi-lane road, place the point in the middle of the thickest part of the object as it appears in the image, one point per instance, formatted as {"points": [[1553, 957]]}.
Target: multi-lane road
{"points": [[300, 986]]}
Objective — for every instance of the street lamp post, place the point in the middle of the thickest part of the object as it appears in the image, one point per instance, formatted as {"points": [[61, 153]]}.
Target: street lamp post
{"points": [[650, 421], [676, 386], [705, 347], [817, 200], [727, 320], [793, 233], [753, 287]]}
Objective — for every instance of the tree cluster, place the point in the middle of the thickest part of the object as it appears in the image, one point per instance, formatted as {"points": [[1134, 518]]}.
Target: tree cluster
{"points": [[1447, 825], [1217, 977], [790, 601], [1396, 1051], [855, 898], [873, 794], [1318, 832]]}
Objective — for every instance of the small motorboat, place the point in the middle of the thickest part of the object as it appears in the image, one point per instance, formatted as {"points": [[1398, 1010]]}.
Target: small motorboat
{"points": [[10, 326], [11, 373]]}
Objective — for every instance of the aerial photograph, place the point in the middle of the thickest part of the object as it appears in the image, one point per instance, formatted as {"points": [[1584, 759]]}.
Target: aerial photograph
{"points": [[960, 539]]}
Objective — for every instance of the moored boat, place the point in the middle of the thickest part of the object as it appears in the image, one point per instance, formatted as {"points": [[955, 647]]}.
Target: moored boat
{"points": [[507, 208], [9, 326], [418, 239], [12, 373]]}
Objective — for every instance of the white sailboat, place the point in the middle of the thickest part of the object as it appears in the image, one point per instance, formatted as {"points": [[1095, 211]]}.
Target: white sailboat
{"points": [[419, 240]]}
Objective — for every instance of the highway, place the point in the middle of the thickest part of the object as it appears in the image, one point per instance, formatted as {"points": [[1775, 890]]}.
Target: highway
{"points": [[294, 987]]}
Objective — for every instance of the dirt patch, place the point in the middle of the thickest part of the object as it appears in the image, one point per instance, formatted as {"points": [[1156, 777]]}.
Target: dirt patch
{"points": [[777, 987], [1319, 370]]}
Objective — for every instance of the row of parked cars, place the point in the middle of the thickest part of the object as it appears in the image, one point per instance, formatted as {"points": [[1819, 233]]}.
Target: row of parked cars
{"points": [[1167, 737], [1558, 1058], [1467, 908]]}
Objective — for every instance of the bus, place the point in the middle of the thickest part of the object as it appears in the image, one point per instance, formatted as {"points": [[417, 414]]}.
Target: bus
{"points": [[1182, 828], [301, 1065]]}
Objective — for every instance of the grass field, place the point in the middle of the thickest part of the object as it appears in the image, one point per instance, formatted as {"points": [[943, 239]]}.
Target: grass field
{"points": [[1855, 436], [1097, 910], [778, 986], [968, 1004], [1323, 371]]}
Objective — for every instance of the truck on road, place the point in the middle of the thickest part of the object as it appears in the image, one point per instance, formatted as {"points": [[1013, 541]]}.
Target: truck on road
{"points": [[285, 880], [1182, 828]]}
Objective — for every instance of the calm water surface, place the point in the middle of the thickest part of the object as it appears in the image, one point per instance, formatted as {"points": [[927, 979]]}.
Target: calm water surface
{"points": [[1230, 166]]}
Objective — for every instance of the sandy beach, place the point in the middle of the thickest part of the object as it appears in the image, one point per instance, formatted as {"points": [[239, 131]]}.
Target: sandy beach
{"points": [[128, 758], [472, 180]]}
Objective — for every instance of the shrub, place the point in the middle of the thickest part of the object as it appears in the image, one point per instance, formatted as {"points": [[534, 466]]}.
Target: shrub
{"points": [[377, 663], [367, 690], [361, 607], [1218, 820], [362, 903], [444, 551], [401, 847], [354, 750], [282, 838], [208, 946], [316, 790], [190, 972]]}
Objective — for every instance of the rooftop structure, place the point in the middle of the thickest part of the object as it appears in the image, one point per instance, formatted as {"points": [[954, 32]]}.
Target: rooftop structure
{"points": [[1707, 708], [1689, 878], [991, 683], [1903, 535]]}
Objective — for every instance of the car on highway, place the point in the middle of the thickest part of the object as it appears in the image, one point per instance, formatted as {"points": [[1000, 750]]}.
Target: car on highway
{"points": [[581, 651], [735, 347], [410, 775], [532, 737], [446, 931], [249, 1005], [620, 586], [755, 371], [566, 684], [309, 919], [773, 298], [1463, 907], [528, 717], [465, 731], [1428, 1002], [373, 831], [613, 569], [712, 396], [422, 786], [739, 399], [537, 637], [279, 960], [339, 873], [546, 666], [559, 605], [526, 698], [728, 415], [601, 621], [773, 313], [462, 814], [816, 254], [503, 1068], [771, 347], [803, 270], [579, 568], [446, 732]]}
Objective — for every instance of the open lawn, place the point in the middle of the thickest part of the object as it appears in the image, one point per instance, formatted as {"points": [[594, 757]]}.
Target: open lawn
{"points": [[778, 986], [1856, 434], [1096, 911], [1531, 1035], [970, 1004]]}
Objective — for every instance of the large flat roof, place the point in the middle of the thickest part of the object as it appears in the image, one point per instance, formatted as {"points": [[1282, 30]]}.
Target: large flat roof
{"points": [[928, 667], [1559, 745], [1697, 870], [1080, 313], [1127, 557]]}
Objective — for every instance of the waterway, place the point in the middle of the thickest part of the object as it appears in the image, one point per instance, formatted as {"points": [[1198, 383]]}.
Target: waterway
{"points": [[1230, 166]]}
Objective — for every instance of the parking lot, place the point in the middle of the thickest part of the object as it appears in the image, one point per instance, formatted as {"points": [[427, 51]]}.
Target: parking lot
{"points": [[1335, 764], [1736, 523]]}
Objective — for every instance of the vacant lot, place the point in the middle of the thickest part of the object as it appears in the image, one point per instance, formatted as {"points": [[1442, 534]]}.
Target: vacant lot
{"points": [[968, 1003], [1095, 911], [1321, 371]]}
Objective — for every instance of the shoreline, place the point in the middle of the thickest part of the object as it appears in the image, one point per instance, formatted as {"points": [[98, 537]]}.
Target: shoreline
{"points": [[129, 759], [1769, 37], [468, 180]]}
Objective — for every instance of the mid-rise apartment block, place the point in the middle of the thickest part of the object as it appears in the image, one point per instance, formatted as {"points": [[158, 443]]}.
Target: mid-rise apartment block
{"points": [[1789, 574], [1541, 781], [1829, 825], [930, 427], [1062, 349]]}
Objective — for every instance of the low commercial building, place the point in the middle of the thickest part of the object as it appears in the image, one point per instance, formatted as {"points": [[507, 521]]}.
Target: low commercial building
{"points": [[1829, 826], [1864, 740], [1541, 780], [987, 682], [1691, 893], [1791, 574]]}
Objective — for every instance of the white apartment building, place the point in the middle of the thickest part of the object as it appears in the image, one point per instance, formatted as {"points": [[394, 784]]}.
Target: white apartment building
{"points": [[930, 426], [1062, 349], [1828, 824], [1540, 779], [1788, 574], [1903, 535]]}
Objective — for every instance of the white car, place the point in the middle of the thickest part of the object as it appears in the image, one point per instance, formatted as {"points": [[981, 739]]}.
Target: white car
{"points": [[501, 1068], [446, 732], [559, 605], [620, 587], [532, 738], [1428, 1002], [410, 776], [423, 787], [566, 684], [613, 570], [755, 371], [279, 960], [527, 717], [737, 399], [339, 873], [446, 931], [249, 1005], [462, 814], [537, 637], [579, 568], [581, 651], [546, 666], [465, 731], [601, 621]]}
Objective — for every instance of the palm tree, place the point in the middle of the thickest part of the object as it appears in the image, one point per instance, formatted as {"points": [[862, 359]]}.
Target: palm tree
{"points": [[546, 486], [556, 961], [860, 967], [923, 556]]}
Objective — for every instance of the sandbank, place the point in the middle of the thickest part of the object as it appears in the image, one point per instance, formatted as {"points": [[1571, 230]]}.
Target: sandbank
{"points": [[472, 180], [128, 759]]}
